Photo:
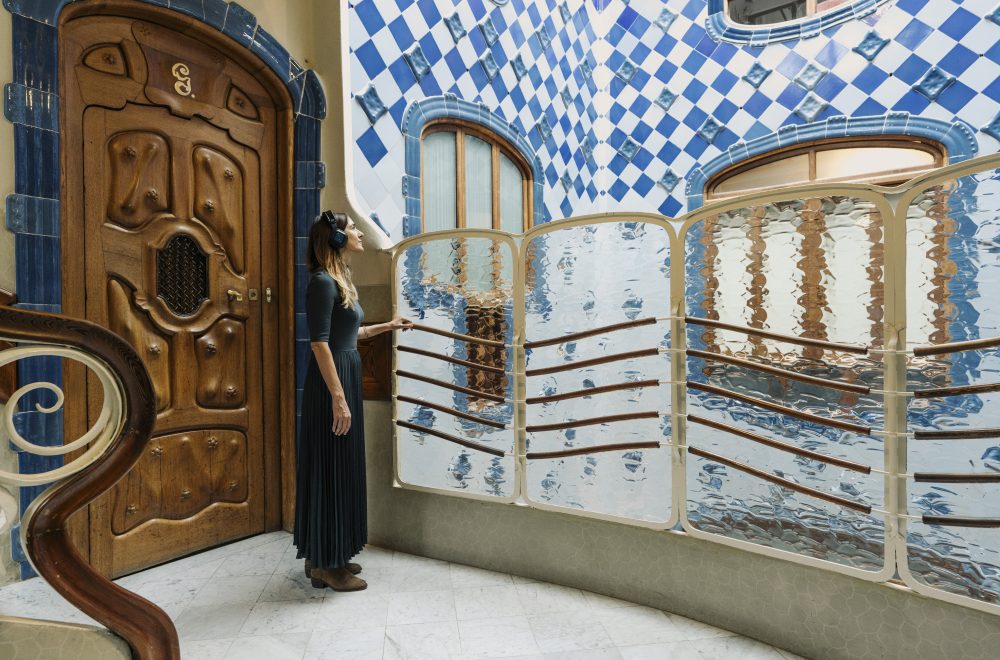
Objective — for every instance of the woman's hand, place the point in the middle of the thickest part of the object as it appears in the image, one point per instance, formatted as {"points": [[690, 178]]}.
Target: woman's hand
{"points": [[399, 323], [341, 416]]}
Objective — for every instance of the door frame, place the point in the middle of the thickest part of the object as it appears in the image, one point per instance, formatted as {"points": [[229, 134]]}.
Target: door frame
{"points": [[278, 256]]}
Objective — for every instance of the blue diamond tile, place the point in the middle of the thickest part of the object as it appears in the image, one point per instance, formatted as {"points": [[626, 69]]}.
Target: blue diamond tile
{"points": [[566, 181], [666, 98], [586, 70], [933, 83], [810, 107], [518, 65], [489, 32], [418, 63], [371, 104], [993, 128], [628, 149], [626, 71], [455, 26], [564, 12], [871, 45], [489, 66], [810, 76], [665, 18], [709, 130], [543, 37], [757, 74], [669, 180], [566, 97], [994, 15]]}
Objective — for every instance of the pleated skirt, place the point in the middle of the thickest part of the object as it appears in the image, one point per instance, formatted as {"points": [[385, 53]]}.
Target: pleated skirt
{"points": [[331, 514]]}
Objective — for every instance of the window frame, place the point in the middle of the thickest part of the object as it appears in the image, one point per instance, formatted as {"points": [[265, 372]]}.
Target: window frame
{"points": [[498, 145], [887, 177], [810, 11]]}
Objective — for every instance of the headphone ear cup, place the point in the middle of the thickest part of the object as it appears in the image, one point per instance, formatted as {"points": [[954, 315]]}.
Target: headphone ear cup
{"points": [[338, 238]]}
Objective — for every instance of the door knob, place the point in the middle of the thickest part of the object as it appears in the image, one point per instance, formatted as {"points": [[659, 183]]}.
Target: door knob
{"points": [[267, 294], [234, 295]]}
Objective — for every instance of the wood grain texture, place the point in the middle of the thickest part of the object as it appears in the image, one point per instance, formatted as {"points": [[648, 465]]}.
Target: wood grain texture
{"points": [[8, 374]]}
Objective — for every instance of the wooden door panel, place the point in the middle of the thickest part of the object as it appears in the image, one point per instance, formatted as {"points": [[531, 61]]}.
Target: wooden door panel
{"points": [[218, 199], [221, 372], [153, 347], [138, 167], [174, 175]]}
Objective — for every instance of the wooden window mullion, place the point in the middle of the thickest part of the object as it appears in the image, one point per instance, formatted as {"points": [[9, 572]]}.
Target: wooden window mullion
{"points": [[460, 177]]}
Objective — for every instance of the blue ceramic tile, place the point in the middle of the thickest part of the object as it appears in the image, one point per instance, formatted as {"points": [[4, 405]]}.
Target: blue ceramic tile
{"points": [[933, 83], [313, 97], [757, 74], [993, 128], [566, 180], [709, 130], [669, 180], [418, 63], [371, 104], [810, 76], [518, 65], [489, 66], [454, 23], [240, 24], [215, 13], [626, 71], [543, 37], [35, 58], [564, 12], [666, 98], [42, 11], [871, 45], [36, 162], [628, 149], [994, 15], [37, 270], [194, 8], [489, 32], [307, 135], [310, 174], [544, 129], [810, 107], [32, 215], [566, 97], [31, 107], [664, 19]]}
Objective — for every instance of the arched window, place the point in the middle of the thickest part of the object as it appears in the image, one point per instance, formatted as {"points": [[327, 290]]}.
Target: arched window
{"points": [[471, 177], [884, 160], [807, 265], [768, 12]]}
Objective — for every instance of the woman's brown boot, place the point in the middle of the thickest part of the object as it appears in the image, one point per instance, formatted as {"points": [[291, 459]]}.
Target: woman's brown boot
{"points": [[338, 579], [351, 566]]}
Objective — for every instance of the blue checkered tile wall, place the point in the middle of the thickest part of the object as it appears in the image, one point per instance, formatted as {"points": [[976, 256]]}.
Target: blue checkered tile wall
{"points": [[632, 105]]}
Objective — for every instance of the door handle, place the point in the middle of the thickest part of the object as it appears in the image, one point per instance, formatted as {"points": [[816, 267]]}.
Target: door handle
{"points": [[267, 294], [234, 295]]}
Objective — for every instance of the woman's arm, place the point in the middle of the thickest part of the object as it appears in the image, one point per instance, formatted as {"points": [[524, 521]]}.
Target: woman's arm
{"points": [[375, 329], [341, 413]]}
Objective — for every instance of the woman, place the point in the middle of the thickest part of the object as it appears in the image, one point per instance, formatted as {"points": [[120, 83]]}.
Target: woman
{"points": [[331, 522]]}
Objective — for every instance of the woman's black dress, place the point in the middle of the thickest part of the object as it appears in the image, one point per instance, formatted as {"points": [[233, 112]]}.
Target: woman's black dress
{"points": [[331, 517]]}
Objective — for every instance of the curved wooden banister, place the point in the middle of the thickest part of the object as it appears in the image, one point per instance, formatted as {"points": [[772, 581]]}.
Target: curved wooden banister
{"points": [[145, 627]]}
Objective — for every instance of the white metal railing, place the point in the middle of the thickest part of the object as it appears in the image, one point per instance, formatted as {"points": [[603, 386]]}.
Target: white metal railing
{"points": [[489, 269]]}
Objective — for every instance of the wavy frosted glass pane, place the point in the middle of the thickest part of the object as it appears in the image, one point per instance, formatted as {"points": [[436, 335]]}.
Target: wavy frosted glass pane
{"points": [[478, 183], [579, 279], [471, 298], [439, 182], [511, 197], [804, 268], [953, 275]]}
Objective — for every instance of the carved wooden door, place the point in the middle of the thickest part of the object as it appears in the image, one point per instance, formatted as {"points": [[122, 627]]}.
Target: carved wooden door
{"points": [[178, 191]]}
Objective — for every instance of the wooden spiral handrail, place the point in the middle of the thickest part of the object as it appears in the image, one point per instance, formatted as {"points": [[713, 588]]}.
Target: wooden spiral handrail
{"points": [[146, 628]]}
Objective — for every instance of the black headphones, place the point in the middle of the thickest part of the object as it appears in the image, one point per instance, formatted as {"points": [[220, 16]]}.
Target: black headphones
{"points": [[338, 237]]}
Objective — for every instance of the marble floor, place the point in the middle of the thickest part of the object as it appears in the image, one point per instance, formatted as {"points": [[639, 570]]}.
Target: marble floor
{"points": [[250, 600]]}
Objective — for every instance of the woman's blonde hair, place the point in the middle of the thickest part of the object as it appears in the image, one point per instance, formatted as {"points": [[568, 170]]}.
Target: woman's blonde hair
{"points": [[322, 256]]}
